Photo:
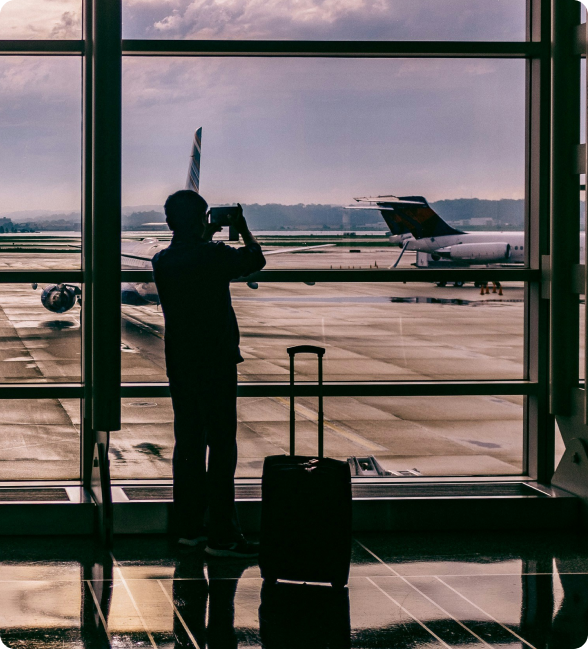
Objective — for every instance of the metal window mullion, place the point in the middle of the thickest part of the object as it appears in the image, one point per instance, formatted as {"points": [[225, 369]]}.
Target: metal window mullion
{"points": [[40, 276], [584, 28], [42, 47], [87, 436], [565, 207], [106, 214], [355, 389], [539, 428], [387, 276], [388, 49], [41, 391]]}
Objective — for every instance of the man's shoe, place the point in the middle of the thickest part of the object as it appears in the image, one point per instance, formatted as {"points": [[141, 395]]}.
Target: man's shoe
{"points": [[239, 548], [192, 542]]}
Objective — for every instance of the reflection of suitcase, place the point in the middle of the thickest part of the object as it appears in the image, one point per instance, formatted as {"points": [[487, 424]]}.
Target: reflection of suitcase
{"points": [[306, 508], [292, 616]]}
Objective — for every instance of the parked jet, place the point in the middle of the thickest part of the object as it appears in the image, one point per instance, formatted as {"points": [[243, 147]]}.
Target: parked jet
{"points": [[137, 255], [429, 233]]}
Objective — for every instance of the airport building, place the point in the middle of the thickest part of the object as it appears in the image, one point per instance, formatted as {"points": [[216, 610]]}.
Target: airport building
{"points": [[454, 373]]}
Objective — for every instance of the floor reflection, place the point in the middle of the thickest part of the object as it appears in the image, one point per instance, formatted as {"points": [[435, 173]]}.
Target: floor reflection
{"points": [[494, 592], [204, 599], [570, 625], [304, 615]]}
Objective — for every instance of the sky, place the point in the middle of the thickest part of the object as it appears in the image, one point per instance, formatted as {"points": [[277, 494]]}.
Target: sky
{"points": [[274, 130]]}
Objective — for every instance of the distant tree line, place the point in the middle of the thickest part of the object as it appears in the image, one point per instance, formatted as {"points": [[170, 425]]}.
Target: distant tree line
{"points": [[507, 213]]}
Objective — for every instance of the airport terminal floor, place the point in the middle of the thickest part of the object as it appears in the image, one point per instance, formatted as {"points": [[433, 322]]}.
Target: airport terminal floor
{"points": [[405, 590]]}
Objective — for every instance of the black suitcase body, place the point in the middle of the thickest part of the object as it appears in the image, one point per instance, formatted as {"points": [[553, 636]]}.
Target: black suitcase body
{"points": [[306, 508]]}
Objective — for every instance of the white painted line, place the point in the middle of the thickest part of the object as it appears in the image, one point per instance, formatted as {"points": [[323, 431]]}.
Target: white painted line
{"points": [[432, 601], [97, 604], [149, 634], [408, 613], [486, 613], [180, 618]]}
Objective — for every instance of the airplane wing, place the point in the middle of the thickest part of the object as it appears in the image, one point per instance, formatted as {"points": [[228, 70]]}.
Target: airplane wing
{"points": [[281, 251], [387, 199], [193, 180]]}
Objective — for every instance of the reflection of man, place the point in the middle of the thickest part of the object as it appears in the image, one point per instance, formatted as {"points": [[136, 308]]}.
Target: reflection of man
{"points": [[202, 351], [206, 602]]}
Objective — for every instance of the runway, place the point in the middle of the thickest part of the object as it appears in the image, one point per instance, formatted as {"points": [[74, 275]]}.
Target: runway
{"points": [[372, 331]]}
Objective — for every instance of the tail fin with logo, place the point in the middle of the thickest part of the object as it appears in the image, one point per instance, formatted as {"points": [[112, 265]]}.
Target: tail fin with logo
{"points": [[193, 180], [415, 215]]}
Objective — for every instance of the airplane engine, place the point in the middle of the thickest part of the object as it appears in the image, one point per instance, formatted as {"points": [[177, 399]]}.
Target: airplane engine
{"points": [[59, 298], [481, 252]]}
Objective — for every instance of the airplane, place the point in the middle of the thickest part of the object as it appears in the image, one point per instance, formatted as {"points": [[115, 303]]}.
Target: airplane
{"points": [[421, 229], [137, 255]]}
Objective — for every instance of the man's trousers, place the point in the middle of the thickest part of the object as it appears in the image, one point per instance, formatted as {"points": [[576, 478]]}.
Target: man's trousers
{"points": [[205, 416]]}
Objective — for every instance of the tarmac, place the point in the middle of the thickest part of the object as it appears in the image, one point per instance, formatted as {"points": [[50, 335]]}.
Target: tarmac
{"points": [[372, 332]]}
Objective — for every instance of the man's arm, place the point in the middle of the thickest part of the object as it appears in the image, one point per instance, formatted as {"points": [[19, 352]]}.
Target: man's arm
{"points": [[240, 224], [241, 262]]}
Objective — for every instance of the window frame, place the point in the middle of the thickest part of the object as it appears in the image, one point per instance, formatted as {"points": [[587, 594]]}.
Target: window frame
{"points": [[102, 46]]}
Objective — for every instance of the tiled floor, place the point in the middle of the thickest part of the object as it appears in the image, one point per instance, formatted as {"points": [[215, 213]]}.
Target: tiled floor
{"points": [[405, 590]]}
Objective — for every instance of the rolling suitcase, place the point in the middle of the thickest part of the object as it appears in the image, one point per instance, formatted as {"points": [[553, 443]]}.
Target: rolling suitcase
{"points": [[306, 507]]}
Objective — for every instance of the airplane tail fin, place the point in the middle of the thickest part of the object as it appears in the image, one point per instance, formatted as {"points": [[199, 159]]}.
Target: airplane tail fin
{"points": [[415, 215], [193, 180]]}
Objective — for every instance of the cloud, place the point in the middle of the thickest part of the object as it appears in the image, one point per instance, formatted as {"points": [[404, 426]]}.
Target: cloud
{"points": [[41, 19], [326, 19], [69, 26]]}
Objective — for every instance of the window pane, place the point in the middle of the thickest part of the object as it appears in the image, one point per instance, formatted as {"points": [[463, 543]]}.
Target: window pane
{"points": [[41, 19], [296, 140], [385, 332], [38, 345], [314, 20], [429, 436], [39, 439], [143, 447], [40, 157]]}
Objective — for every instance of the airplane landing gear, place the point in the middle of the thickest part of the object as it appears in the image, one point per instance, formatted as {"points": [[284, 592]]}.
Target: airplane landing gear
{"points": [[456, 284]]}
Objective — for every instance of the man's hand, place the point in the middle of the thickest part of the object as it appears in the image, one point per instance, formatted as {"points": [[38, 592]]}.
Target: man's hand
{"points": [[210, 229], [240, 224], [238, 220]]}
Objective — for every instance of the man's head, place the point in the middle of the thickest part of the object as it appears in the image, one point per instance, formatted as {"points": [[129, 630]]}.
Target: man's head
{"points": [[185, 212]]}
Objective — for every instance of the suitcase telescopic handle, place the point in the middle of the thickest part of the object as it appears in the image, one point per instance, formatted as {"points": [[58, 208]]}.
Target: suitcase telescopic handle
{"points": [[306, 349], [320, 352]]}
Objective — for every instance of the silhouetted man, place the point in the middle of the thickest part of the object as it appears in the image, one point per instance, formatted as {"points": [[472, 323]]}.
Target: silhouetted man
{"points": [[202, 351]]}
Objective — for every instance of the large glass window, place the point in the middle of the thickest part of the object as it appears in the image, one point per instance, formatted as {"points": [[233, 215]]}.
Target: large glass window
{"points": [[40, 157], [372, 332], [39, 439], [39, 343], [278, 133], [407, 436]]}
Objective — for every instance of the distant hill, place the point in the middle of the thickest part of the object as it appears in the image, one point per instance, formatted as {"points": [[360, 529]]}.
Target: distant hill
{"points": [[464, 212], [504, 212], [137, 220]]}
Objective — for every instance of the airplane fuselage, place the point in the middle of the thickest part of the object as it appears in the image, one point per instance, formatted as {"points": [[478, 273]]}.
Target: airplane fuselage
{"points": [[516, 241]]}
